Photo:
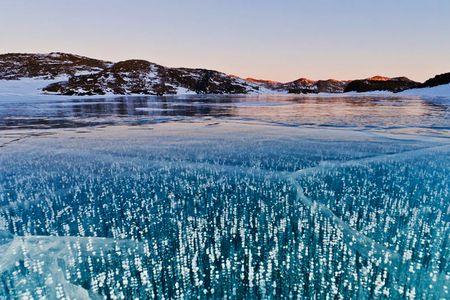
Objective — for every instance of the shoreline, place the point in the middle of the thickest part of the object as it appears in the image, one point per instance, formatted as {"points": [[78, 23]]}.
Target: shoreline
{"points": [[32, 87]]}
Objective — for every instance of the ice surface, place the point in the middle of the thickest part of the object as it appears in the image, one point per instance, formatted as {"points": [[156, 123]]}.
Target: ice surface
{"points": [[440, 91], [230, 206], [25, 87]]}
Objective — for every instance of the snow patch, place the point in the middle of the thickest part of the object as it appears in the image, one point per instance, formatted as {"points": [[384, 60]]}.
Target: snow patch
{"points": [[184, 91], [26, 86], [441, 91]]}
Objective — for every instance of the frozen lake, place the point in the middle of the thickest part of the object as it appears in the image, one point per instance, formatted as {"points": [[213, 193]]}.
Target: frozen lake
{"points": [[225, 197], [376, 111]]}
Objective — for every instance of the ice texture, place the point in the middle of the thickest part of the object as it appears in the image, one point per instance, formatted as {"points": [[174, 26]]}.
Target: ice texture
{"points": [[224, 209]]}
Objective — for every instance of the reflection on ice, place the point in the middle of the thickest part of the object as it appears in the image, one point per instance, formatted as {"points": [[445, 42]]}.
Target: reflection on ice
{"points": [[52, 112]]}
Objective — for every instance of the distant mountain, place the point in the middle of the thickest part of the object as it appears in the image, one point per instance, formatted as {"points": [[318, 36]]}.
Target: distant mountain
{"points": [[380, 83], [79, 75], [379, 78], [436, 80], [331, 86], [303, 86]]}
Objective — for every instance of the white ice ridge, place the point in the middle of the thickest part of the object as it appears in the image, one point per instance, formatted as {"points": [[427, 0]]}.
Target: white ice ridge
{"points": [[53, 251], [440, 91], [362, 162]]}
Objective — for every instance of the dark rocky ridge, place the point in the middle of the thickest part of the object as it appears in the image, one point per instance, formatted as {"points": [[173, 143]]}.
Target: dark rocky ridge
{"points": [[303, 86], [379, 83], [436, 80], [143, 77], [48, 66], [331, 86]]}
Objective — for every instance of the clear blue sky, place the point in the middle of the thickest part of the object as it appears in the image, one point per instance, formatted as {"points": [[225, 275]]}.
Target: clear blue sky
{"points": [[279, 40]]}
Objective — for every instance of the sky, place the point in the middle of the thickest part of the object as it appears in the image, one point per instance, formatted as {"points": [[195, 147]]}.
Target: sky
{"points": [[279, 40]]}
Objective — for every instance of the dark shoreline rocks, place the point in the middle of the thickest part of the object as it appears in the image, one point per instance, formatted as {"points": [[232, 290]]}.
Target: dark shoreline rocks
{"points": [[436, 80], [395, 85]]}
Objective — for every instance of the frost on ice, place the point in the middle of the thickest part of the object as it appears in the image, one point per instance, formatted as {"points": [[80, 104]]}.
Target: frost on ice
{"points": [[219, 217]]}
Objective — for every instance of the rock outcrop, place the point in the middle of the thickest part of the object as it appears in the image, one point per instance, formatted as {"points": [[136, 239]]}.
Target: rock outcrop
{"points": [[47, 66], [303, 86], [379, 83], [143, 77], [436, 80]]}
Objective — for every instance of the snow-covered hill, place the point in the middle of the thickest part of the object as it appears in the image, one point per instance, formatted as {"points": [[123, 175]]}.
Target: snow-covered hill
{"points": [[143, 77], [303, 86], [81, 76], [78, 75], [47, 66], [68, 74]]}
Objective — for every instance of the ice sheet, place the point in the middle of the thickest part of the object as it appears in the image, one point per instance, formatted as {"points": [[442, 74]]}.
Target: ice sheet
{"points": [[226, 208]]}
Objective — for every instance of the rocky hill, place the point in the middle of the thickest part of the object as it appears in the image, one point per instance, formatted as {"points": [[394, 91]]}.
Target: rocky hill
{"points": [[86, 76], [436, 80], [380, 83], [303, 86], [143, 77], [68, 74], [47, 66]]}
